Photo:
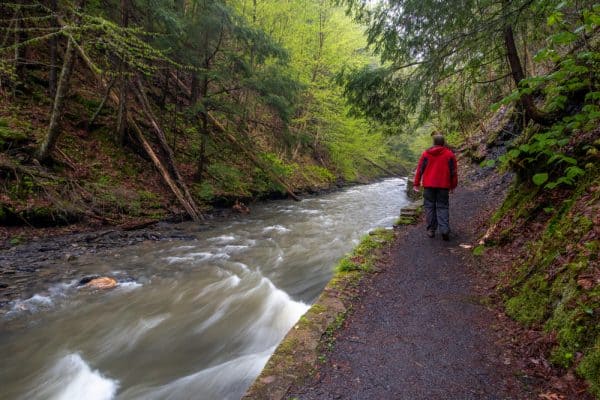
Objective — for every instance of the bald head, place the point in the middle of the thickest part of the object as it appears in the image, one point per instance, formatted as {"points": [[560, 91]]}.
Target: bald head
{"points": [[438, 140]]}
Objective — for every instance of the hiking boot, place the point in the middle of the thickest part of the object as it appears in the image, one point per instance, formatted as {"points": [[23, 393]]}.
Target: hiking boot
{"points": [[430, 233], [446, 236]]}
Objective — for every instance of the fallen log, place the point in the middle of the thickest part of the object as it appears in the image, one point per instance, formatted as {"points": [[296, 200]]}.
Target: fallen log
{"points": [[183, 197], [189, 208], [160, 134]]}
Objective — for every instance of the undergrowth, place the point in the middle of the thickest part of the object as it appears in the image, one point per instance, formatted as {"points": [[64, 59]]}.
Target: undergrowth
{"points": [[555, 287]]}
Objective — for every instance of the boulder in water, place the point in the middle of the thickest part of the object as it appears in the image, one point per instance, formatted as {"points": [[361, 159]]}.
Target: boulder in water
{"points": [[103, 282]]}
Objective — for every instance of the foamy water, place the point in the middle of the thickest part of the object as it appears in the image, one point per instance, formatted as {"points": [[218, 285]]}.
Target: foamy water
{"points": [[193, 319], [72, 378]]}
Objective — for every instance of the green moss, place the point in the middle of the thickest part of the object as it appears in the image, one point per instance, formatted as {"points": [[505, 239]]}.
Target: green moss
{"points": [[567, 322], [589, 368], [288, 346], [479, 250], [362, 257], [517, 202], [547, 288], [530, 305], [8, 135], [403, 220], [318, 308]]}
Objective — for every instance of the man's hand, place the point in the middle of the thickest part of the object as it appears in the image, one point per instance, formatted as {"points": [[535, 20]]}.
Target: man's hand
{"points": [[416, 189]]}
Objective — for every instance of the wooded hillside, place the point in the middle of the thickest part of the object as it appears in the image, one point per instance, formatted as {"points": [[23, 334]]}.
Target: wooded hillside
{"points": [[141, 108]]}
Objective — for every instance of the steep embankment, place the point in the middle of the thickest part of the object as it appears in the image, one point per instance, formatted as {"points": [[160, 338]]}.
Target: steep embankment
{"points": [[543, 260]]}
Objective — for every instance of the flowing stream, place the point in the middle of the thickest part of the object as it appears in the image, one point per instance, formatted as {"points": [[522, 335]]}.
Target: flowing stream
{"points": [[193, 319]]}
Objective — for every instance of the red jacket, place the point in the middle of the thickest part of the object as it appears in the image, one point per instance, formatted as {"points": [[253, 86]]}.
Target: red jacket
{"points": [[437, 168]]}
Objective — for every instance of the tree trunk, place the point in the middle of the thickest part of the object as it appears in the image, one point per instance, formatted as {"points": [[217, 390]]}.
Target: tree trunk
{"points": [[204, 127], [203, 139], [122, 113], [123, 87], [101, 106], [20, 37], [190, 208], [53, 73], [517, 73], [194, 89], [45, 149]]}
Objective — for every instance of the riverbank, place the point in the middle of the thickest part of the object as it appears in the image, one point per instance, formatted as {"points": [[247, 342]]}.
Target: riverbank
{"points": [[427, 325], [49, 250], [211, 305]]}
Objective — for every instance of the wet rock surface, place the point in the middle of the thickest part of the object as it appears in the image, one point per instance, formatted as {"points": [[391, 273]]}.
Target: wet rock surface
{"points": [[419, 330]]}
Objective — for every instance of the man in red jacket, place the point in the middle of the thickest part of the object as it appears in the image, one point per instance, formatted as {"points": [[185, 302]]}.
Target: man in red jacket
{"points": [[438, 170]]}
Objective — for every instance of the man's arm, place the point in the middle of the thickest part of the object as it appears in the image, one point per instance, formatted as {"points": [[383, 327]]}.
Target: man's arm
{"points": [[453, 166], [419, 172]]}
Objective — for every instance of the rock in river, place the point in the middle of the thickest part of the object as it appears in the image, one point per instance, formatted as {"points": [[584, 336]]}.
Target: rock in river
{"points": [[103, 282]]}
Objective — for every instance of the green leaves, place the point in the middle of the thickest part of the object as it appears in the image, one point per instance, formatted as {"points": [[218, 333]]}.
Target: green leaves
{"points": [[563, 38], [540, 179]]}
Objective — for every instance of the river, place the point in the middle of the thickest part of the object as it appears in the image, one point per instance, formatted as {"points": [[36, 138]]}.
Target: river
{"points": [[190, 319]]}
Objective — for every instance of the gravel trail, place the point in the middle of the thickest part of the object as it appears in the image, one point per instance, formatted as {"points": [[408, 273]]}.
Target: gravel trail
{"points": [[419, 329]]}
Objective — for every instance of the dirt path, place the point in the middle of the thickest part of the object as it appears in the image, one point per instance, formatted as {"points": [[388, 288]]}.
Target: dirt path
{"points": [[419, 330]]}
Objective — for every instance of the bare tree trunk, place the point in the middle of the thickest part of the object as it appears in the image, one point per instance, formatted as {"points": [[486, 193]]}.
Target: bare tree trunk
{"points": [[194, 89], [203, 140], [20, 37], [190, 208], [45, 149], [102, 104], [53, 73], [518, 75], [122, 113], [165, 90], [203, 128], [123, 87]]}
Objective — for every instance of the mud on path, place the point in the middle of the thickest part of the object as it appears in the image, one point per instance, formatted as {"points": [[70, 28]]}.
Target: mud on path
{"points": [[419, 330]]}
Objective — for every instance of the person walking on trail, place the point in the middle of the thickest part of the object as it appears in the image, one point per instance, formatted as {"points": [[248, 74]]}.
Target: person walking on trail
{"points": [[438, 171]]}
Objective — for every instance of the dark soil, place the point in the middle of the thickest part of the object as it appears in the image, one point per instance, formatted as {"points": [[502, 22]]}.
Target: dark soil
{"points": [[420, 329]]}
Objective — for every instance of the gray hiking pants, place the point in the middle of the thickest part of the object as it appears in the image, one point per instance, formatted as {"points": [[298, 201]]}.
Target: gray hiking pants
{"points": [[437, 213]]}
